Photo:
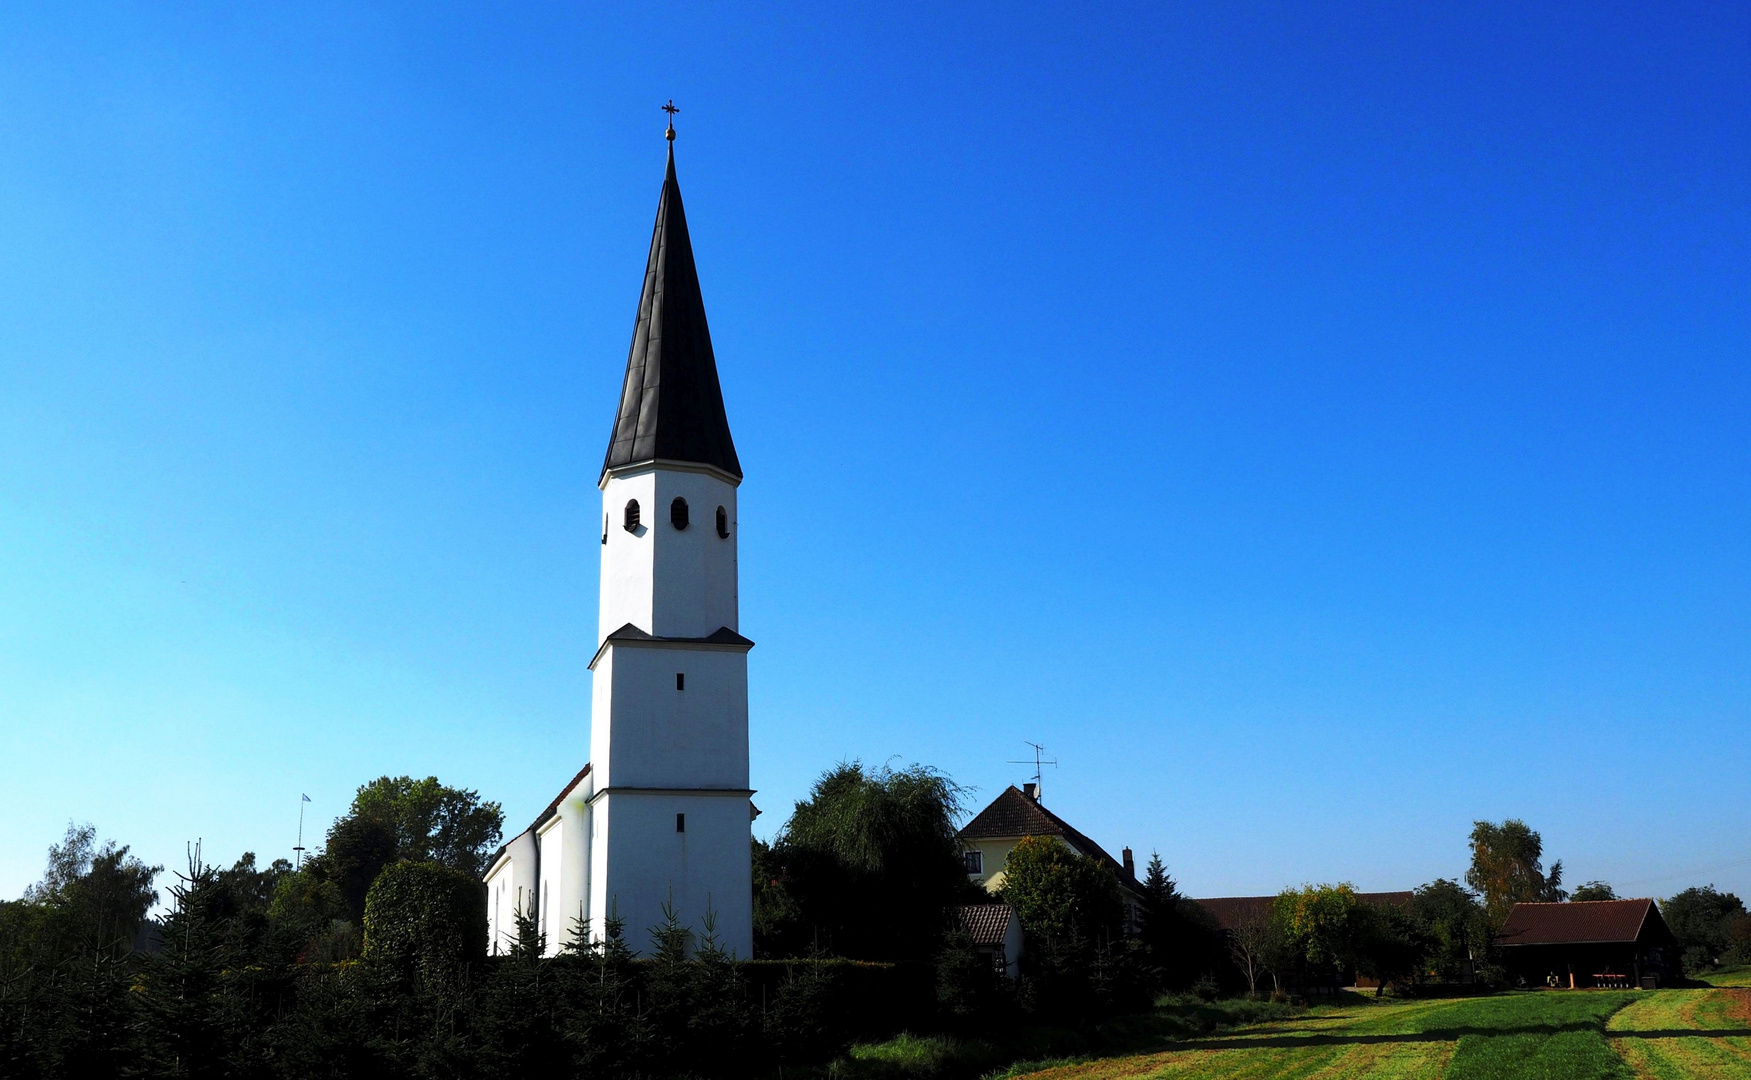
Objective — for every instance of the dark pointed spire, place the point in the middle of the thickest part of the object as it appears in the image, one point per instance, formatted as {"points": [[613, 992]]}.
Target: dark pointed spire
{"points": [[671, 407]]}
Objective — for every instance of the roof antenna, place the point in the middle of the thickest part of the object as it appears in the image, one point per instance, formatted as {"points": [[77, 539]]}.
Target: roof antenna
{"points": [[671, 110], [1038, 762]]}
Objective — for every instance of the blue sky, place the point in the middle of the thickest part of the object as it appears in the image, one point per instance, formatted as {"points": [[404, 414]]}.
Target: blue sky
{"points": [[1319, 426]]}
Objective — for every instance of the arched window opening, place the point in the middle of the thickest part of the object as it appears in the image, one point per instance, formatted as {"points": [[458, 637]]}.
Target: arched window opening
{"points": [[723, 524], [632, 515], [678, 513]]}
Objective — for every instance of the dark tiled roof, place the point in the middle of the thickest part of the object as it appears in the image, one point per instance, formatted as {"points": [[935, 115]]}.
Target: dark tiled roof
{"points": [[1232, 911], [1582, 921], [671, 406], [553, 807], [986, 924], [1013, 814], [541, 818]]}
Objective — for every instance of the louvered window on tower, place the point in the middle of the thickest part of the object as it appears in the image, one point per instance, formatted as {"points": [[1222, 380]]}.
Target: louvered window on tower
{"points": [[632, 515], [678, 513], [723, 524]]}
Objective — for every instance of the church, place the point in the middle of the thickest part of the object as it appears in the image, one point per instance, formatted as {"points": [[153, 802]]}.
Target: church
{"points": [[659, 819]]}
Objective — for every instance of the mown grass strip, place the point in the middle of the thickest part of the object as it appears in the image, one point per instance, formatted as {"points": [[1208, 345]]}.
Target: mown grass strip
{"points": [[1647, 1035]]}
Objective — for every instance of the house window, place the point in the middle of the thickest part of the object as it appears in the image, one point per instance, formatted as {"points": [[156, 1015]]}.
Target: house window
{"points": [[678, 513], [723, 524], [974, 861], [631, 523], [680, 822], [680, 680]]}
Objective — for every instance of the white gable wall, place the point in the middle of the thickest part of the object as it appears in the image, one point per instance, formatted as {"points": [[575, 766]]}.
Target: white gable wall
{"points": [[510, 888]]}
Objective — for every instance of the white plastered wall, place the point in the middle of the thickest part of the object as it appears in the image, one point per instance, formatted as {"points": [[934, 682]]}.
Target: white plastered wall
{"points": [[658, 749], [667, 581], [644, 732], [550, 895], [510, 887], [565, 869], [642, 860]]}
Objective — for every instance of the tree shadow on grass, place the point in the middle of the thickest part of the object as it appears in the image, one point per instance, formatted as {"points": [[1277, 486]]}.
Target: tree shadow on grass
{"points": [[1240, 1041], [1683, 1033]]}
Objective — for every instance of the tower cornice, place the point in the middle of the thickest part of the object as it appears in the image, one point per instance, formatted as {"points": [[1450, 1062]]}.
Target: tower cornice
{"points": [[638, 468], [723, 639]]}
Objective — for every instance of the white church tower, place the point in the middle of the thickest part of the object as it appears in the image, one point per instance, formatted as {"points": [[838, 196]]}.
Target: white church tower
{"points": [[660, 817]]}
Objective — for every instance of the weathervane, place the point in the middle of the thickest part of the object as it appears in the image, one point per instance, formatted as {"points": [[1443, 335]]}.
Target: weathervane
{"points": [[671, 110]]}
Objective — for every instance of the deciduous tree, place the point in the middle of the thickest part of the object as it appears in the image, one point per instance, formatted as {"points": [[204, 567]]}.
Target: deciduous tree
{"points": [[400, 819], [1702, 920], [1506, 868], [867, 865]]}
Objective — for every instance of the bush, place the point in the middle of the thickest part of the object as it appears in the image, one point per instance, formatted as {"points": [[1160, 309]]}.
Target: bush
{"points": [[426, 924]]}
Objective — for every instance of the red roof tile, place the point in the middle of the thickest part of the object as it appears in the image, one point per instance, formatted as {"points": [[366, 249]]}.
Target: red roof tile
{"points": [[1581, 921], [987, 924]]}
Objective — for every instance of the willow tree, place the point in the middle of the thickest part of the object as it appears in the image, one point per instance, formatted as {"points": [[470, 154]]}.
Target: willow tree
{"points": [[868, 863]]}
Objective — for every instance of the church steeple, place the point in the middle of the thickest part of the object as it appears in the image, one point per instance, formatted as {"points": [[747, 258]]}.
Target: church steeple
{"points": [[656, 828], [671, 407]]}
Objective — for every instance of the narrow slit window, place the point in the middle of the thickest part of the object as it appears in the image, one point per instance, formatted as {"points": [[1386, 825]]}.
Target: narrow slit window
{"points": [[680, 680], [605, 528], [680, 822], [723, 524], [631, 523], [678, 513]]}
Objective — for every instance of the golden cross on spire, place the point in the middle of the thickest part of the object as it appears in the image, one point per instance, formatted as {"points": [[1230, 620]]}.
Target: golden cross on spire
{"points": [[671, 110]]}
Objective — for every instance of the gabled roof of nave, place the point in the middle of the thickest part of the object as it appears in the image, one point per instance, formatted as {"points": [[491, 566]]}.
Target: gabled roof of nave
{"points": [[671, 406], [541, 818]]}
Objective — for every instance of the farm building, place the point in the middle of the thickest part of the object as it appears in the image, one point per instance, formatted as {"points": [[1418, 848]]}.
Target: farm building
{"points": [[1589, 943]]}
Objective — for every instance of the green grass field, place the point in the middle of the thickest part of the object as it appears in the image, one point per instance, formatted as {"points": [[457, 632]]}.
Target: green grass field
{"points": [[1544, 1035], [1736, 976]]}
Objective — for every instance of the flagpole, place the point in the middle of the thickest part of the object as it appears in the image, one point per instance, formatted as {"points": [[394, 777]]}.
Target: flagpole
{"points": [[302, 799]]}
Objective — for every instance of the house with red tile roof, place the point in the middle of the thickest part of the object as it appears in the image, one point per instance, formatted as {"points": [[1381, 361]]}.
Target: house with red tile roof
{"points": [[1018, 812]]}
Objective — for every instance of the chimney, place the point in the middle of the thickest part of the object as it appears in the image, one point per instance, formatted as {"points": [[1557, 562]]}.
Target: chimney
{"points": [[1130, 864], [1032, 791]]}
